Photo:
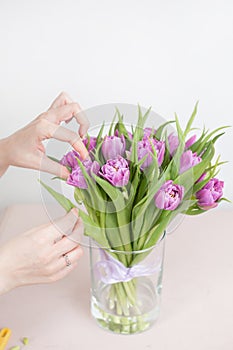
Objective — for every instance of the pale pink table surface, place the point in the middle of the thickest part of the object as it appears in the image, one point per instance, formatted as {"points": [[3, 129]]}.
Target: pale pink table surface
{"points": [[197, 303]]}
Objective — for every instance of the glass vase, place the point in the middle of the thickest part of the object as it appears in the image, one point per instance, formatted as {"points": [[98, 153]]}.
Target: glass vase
{"points": [[126, 287]]}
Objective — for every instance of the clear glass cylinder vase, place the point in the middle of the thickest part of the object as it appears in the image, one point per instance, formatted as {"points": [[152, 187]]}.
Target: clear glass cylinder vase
{"points": [[126, 287]]}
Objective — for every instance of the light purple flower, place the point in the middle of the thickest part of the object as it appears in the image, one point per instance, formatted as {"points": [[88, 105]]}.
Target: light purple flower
{"points": [[187, 160], [145, 148], [148, 132], [116, 171], [209, 195], [201, 178], [190, 141], [173, 142], [90, 143], [169, 196], [94, 168], [113, 146], [77, 178], [70, 160]]}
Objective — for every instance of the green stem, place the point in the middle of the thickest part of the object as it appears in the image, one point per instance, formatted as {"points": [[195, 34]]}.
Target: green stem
{"points": [[129, 293], [121, 298]]}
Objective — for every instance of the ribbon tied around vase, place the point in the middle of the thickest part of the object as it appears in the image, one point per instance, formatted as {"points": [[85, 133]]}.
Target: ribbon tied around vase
{"points": [[110, 270]]}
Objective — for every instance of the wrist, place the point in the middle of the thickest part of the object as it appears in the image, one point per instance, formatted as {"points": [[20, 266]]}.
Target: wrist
{"points": [[4, 159], [5, 281]]}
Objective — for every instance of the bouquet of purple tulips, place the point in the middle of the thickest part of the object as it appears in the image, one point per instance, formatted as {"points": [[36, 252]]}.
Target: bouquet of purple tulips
{"points": [[135, 182]]}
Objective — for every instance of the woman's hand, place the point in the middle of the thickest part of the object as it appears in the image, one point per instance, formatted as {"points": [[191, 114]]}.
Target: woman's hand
{"points": [[40, 255], [25, 148]]}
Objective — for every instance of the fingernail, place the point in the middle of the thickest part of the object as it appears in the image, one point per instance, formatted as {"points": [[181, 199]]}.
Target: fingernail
{"points": [[83, 136], [65, 173], [75, 211]]}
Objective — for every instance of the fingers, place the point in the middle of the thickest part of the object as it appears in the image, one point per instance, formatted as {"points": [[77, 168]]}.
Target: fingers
{"points": [[63, 134], [61, 273], [73, 256], [63, 246], [62, 226], [60, 264], [71, 241], [62, 99], [67, 112], [49, 166]]}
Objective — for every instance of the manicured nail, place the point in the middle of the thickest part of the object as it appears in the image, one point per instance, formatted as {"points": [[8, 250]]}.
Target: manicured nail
{"points": [[75, 211]]}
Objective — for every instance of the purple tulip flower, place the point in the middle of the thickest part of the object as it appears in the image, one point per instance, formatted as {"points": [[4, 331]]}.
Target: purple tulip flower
{"points": [[190, 141], [70, 159], [148, 132], [187, 160], [201, 178], [173, 141], [116, 171], [145, 148], [90, 143], [209, 195], [113, 146], [169, 196], [77, 178]]}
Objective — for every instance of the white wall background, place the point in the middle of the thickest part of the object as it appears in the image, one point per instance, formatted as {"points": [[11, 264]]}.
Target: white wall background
{"points": [[167, 54]]}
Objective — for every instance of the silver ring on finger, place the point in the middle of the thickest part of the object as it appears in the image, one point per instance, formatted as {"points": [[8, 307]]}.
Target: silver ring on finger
{"points": [[67, 260]]}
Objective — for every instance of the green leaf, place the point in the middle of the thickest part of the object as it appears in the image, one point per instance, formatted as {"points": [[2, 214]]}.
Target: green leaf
{"points": [[120, 126], [99, 136], [112, 231], [159, 131], [146, 115], [98, 154], [152, 216], [138, 134], [115, 195], [191, 120], [167, 155], [180, 149], [93, 230], [62, 200], [54, 159], [224, 200], [110, 132], [196, 211], [157, 230], [141, 207], [198, 143], [134, 185], [198, 186], [88, 141], [217, 137], [201, 144]]}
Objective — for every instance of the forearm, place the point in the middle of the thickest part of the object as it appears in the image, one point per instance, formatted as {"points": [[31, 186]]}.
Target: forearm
{"points": [[4, 287], [4, 162], [7, 277], [5, 284]]}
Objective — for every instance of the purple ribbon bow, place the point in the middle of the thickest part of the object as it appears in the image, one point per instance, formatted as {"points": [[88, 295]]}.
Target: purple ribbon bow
{"points": [[110, 270]]}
